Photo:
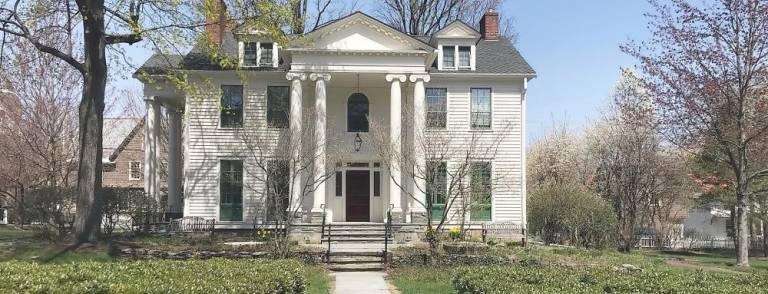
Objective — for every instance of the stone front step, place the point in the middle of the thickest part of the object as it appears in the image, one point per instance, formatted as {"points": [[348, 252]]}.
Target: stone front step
{"points": [[355, 240], [347, 259], [356, 267]]}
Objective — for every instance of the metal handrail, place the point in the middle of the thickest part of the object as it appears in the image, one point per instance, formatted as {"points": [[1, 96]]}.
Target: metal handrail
{"points": [[322, 232], [387, 232]]}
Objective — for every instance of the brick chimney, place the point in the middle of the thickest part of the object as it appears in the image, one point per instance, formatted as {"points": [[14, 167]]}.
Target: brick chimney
{"points": [[489, 25], [216, 23]]}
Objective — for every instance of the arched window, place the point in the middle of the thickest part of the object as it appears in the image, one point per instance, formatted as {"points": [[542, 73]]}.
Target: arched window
{"points": [[357, 113]]}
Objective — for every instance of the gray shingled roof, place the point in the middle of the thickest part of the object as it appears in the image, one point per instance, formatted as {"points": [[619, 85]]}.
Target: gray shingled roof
{"points": [[493, 57]]}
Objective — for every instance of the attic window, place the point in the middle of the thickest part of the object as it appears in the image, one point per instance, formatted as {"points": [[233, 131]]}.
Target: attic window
{"points": [[464, 56], [449, 57], [457, 57], [261, 54]]}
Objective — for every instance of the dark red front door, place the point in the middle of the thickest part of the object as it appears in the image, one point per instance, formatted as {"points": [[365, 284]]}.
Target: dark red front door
{"points": [[358, 196]]}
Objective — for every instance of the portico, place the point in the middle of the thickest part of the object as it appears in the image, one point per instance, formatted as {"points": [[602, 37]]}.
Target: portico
{"points": [[385, 95]]}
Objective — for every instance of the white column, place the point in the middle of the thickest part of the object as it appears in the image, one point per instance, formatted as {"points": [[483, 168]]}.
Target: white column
{"points": [[418, 132], [395, 117], [174, 161], [320, 116], [296, 137], [151, 162]]}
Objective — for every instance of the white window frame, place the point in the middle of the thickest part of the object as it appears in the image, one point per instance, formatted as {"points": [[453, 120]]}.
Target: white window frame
{"points": [[456, 66], [130, 171], [275, 58]]}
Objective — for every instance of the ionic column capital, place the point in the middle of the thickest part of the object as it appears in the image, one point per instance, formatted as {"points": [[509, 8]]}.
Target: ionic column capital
{"points": [[296, 76], [320, 76], [395, 77], [419, 77]]}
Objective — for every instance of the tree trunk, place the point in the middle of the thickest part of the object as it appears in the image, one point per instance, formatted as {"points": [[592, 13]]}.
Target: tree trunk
{"points": [[91, 116], [742, 222]]}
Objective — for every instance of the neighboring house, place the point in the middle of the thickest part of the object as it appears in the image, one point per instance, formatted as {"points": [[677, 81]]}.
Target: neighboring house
{"points": [[347, 71], [123, 151], [708, 223]]}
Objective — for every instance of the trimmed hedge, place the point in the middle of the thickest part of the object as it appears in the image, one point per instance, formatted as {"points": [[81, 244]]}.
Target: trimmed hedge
{"points": [[505, 279], [193, 276]]}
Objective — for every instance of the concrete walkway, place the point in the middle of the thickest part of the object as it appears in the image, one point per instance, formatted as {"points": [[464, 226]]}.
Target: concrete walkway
{"points": [[360, 282]]}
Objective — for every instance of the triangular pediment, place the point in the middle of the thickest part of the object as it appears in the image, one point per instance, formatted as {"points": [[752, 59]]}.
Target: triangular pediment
{"points": [[359, 31], [457, 29]]}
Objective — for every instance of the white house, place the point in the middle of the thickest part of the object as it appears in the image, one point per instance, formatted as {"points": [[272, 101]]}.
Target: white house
{"points": [[340, 78]]}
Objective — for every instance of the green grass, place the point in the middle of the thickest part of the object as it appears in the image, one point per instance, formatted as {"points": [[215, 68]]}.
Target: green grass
{"points": [[318, 281], [438, 279], [718, 259], [422, 280]]}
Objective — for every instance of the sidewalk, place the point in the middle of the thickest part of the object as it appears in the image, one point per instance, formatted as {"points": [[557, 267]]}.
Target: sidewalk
{"points": [[360, 282]]}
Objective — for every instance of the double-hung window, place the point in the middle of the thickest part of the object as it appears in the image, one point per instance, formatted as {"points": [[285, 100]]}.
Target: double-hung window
{"points": [[480, 116], [481, 201], [266, 54], [250, 54], [456, 57], [437, 106], [231, 115], [278, 106], [449, 57], [465, 53], [277, 190], [134, 170], [231, 190], [436, 190], [261, 54]]}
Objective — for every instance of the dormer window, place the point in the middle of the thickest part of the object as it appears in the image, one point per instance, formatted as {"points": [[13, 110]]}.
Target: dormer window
{"points": [[449, 57], [266, 54], [457, 57], [259, 54], [465, 53]]}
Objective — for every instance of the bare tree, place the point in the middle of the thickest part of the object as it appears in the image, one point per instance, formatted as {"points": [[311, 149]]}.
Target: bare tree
{"points": [[452, 168], [706, 64], [279, 160], [38, 122], [307, 15], [626, 149], [95, 25], [425, 17]]}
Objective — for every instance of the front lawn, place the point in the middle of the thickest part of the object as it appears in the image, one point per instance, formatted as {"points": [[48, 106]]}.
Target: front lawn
{"points": [[564, 270], [163, 276], [30, 264]]}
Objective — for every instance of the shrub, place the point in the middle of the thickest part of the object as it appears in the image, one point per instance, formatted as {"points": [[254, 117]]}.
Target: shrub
{"points": [[566, 214], [499, 279], [53, 209], [210, 276]]}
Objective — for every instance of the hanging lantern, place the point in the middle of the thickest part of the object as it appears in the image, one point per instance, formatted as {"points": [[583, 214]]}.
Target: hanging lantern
{"points": [[358, 142]]}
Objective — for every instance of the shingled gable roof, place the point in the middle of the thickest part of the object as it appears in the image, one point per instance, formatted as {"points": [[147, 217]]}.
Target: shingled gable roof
{"points": [[497, 57], [127, 139]]}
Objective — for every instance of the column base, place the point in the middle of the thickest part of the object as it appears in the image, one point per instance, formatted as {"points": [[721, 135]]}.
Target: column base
{"points": [[316, 216], [398, 217]]}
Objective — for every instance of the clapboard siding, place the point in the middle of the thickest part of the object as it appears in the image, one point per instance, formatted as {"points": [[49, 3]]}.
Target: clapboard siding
{"points": [[207, 144], [506, 125]]}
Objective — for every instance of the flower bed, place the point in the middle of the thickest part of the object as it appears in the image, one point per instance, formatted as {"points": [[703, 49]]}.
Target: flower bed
{"points": [[191, 276], [521, 279]]}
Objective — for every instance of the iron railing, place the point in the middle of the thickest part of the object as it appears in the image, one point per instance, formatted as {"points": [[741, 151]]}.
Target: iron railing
{"points": [[387, 233], [323, 233]]}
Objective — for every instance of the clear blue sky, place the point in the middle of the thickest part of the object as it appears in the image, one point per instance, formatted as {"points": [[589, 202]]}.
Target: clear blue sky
{"points": [[573, 46]]}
